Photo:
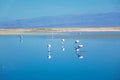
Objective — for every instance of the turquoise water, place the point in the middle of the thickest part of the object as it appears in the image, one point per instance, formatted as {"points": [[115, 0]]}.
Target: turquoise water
{"points": [[27, 59]]}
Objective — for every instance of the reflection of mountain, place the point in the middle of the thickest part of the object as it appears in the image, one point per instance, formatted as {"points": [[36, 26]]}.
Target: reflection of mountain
{"points": [[95, 20]]}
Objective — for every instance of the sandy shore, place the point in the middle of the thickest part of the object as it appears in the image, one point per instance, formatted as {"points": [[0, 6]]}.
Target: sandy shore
{"points": [[18, 31]]}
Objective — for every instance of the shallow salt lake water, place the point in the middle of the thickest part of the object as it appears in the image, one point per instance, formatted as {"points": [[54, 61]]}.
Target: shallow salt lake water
{"points": [[28, 59]]}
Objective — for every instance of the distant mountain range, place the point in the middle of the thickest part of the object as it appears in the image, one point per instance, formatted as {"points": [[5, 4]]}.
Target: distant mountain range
{"points": [[92, 20]]}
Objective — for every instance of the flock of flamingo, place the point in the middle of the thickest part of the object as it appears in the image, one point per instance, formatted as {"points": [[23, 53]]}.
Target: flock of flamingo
{"points": [[77, 48]]}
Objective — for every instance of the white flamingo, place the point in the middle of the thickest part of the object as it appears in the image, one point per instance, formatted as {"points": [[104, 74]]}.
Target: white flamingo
{"points": [[80, 56], [77, 41], [80, 46]]}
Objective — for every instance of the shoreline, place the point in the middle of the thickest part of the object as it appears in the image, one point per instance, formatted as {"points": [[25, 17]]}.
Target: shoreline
{"points": [[29, 31]]}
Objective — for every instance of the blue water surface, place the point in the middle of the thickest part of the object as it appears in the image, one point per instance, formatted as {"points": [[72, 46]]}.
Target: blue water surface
{"points": [[28, 60]]}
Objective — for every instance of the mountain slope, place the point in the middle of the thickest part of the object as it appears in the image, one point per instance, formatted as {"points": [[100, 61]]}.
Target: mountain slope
{"points": [[94, 20]]}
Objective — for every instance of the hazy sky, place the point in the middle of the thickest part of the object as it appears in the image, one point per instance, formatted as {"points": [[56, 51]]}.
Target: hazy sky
{"points": [[37, 8]]}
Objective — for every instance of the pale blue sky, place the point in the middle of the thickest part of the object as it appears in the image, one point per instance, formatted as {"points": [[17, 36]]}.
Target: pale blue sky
{"points": [[38, 8]]}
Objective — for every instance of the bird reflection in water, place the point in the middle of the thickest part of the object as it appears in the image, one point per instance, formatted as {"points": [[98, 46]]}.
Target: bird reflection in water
{"points": [[63, 48], [49, 47], [21, 38], [77, 47]]}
